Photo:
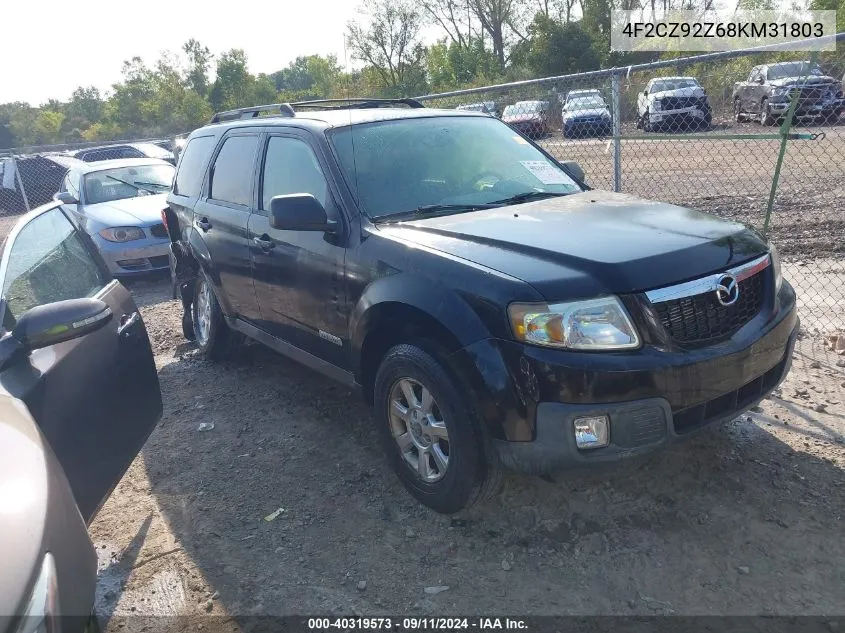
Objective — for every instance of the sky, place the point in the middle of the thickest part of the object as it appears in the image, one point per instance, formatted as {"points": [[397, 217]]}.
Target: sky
{"points": [[51, 47]]}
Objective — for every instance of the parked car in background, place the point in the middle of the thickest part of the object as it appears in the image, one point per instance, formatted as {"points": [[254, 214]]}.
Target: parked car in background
{"points": [[532, 118], [123, 150], [586, 115], [767, 93], [119, 203], [673, 103], [488, 107], [494, 310], [79, 395]]}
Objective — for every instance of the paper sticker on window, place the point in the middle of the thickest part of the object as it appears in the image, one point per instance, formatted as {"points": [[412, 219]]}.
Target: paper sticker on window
{"points": [[545, 172], [520, 140]]}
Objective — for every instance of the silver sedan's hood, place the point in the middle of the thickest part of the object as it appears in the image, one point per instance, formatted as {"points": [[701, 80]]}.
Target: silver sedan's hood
{"points": [[138, 211]]}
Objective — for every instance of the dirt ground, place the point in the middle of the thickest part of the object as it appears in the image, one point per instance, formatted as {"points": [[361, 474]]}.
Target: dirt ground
{"points": [[742, 519]]}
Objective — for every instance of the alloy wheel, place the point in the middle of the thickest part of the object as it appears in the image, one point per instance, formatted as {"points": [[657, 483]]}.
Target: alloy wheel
{"points": [[418, 427], [203, 312]]}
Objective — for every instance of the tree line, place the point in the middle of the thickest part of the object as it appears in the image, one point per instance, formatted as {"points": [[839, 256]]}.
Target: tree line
{"points": [[481, 42]]}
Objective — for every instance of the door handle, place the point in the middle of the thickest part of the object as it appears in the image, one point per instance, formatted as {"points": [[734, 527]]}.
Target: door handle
{"points": [[204, 224], [264, 243], [127, 322]]}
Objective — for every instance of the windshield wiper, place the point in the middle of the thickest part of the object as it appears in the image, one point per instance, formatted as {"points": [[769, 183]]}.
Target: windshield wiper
{"points": [[151, 184], [134, 186], [528, 195], [433, 210]]}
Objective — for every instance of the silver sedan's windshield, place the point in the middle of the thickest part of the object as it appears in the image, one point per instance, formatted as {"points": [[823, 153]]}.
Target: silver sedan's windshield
{"points": [[127, 182], [400, 165]]}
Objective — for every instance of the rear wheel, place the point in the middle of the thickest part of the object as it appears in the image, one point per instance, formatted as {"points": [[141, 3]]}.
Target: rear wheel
{"points": [[430, 433], [213, 336]]}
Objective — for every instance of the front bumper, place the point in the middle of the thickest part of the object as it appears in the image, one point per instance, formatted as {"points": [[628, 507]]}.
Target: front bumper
{"points": [[665, 116], [596, 126], [135, 257], [529, 396]]}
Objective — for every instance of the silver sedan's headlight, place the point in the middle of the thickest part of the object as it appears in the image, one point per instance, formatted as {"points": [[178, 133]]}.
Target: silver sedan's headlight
{"points": [[122, 234], [594, 324], [42, 609], [775, 257]]}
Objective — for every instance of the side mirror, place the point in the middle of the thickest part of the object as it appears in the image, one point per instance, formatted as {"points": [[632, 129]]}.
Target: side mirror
{"points": [[53, 323], [299, 212], [645, 92], [760, 80], [65, 197], [573, 168]]}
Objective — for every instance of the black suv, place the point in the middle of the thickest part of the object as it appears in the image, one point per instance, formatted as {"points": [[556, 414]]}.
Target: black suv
{"points": [[493, 309]]}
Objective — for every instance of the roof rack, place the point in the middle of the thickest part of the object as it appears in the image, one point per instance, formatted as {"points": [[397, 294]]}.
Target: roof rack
{"points": [[356, 103], [283, 109], [287, 109]]}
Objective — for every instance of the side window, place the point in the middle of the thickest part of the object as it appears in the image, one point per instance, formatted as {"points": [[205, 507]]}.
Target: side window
{"points": [[290, 166], [192, 166], [47, 262], [232, 175]]}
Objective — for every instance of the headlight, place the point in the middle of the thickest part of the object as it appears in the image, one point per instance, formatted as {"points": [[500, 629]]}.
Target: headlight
{"points": [[657, 105], [780, 91], [773, 254], [42, 609], [122, 234], [594, 324]]}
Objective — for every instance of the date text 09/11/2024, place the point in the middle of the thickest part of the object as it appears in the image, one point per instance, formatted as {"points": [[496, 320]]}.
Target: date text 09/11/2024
{"points": [[417, 624]]}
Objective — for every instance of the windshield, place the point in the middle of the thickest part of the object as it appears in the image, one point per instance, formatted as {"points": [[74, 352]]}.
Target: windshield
{"points": [[401, 165], [793, 69], [127, 182], [673, 84], [585, 103]]}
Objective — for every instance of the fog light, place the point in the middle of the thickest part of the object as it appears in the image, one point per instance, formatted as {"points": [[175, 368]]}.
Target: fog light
{"points": [[591, 432]]}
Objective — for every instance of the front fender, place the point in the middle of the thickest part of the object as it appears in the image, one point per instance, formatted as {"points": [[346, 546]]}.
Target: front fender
{"points": [[199, 252], [443, 304]]}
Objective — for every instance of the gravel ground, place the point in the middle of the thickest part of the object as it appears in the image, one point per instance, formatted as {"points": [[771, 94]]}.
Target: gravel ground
{"points": [[742, 519]]}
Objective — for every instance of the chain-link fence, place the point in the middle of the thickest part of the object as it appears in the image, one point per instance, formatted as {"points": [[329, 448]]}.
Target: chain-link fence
{"points": [[707, 133]]}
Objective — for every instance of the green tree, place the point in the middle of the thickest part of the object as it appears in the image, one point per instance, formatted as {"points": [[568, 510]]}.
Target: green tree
{"points": [[234, 85], [553, 48], [389, 42], [199, 61]]}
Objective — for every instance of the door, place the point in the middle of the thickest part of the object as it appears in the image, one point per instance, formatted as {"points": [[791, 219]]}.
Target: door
{"points": [[96, 398], [221, 217], [299, 274]]}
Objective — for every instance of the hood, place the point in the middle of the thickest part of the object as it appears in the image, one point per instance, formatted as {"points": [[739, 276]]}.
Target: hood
{"points": [[802, 81], [521, 118], [592, 112], [141, 210], [589, 243], [680, 92]]}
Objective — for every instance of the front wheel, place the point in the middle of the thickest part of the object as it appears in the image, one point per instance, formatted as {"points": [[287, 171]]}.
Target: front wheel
{"points": [[766, 117], [430, 433], [737, 110]]}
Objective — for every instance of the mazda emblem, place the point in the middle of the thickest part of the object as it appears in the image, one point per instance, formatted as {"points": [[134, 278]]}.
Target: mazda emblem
{"points": [[727, 290]]}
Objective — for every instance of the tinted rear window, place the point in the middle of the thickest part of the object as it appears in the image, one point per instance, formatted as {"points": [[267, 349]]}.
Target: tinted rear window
{"points": [[231, 180], [192, 166]]}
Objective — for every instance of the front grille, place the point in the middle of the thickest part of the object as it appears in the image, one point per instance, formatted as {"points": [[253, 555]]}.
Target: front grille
{"points": [[676, 103], [701, 319], [160, 261], [728, 404], [158, 230]]}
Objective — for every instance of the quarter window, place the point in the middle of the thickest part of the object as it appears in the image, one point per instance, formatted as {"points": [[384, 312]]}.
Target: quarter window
{"points": [[192, 166]]}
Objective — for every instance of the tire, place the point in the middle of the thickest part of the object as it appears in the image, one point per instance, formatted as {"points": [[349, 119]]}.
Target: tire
{"points": [[647, 126], [738, 110], [213, 336], [447, 427], [707, 122], [766, 117]]}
